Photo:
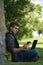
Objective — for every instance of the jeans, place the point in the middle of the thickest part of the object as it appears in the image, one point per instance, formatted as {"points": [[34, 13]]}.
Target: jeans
{"points": [[22, 55]]}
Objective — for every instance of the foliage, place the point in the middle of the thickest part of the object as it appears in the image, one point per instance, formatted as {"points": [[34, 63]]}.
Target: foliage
{"points": [[38, 8], [40, 27], [22, 11]]}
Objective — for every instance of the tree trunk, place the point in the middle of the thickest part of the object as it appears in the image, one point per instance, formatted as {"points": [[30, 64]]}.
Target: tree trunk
{"points": [[2, 33]]}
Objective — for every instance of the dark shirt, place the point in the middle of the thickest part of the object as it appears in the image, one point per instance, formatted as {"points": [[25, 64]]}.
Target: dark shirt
{"points": [[11, 42]]}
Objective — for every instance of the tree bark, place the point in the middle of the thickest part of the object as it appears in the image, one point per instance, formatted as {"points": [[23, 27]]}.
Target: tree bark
{"points": [[2, 33]]}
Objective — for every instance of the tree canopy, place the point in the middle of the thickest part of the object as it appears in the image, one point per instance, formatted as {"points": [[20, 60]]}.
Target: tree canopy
{"points": [[24, 12]]}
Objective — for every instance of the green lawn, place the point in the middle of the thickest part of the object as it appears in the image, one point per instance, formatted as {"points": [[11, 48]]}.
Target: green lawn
{"points": [[39, 47]]}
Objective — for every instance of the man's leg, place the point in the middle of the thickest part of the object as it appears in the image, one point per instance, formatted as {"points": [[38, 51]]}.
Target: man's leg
{"points": [[31, 53], [33, 56], [21, 56]]}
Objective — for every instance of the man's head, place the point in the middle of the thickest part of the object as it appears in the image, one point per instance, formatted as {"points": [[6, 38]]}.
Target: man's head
{"points": [[14, 26]]}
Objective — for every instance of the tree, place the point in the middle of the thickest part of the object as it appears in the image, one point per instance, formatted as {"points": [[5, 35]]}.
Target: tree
{"points": [[16, 11], [22, 11], [40, 27], [2, 33]]}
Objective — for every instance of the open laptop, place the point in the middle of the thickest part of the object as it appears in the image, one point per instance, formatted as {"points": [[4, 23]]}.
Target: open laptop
{"points": [[34, 44]]}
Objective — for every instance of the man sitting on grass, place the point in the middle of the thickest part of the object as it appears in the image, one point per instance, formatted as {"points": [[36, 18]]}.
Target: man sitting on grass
{"points": [[18, 53]]}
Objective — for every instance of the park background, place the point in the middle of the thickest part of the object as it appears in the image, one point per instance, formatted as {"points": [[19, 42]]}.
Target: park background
{"points": [[29, 14]]}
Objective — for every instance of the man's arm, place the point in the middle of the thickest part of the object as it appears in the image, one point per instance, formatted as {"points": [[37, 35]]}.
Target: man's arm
{"points": [[19, 49]]}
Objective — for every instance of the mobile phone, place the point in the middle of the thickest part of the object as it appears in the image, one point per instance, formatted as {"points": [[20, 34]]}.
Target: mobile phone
{"points": [[28, 42]]}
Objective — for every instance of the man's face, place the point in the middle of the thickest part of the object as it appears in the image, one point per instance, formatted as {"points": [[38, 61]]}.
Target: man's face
{"points": [[15, 29]]}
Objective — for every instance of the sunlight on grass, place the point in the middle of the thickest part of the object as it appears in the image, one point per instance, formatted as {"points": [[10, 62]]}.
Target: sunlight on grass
{"points": [[39, 46]]}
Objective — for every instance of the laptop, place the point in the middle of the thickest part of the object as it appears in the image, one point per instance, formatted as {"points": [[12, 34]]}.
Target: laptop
{"points": [[34, 44]]}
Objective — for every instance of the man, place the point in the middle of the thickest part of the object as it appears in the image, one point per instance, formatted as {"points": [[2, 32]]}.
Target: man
{"points": [[18, 53]]}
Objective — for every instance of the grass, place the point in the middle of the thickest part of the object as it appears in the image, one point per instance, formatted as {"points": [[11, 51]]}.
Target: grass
{"points": [[39, 47]]}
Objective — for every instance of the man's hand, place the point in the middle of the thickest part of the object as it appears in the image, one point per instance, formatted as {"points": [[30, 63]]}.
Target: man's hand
{"points": [[26, 46], [23, 48]]}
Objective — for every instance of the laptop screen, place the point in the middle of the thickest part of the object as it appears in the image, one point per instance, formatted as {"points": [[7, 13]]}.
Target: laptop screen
{"points": [[34, 44]]}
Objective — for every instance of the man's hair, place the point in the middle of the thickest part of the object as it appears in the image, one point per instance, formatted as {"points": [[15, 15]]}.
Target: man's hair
{"points": [[12, 24]]}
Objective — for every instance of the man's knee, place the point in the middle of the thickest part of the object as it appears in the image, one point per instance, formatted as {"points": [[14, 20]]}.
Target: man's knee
{"points": [[35, 52]]}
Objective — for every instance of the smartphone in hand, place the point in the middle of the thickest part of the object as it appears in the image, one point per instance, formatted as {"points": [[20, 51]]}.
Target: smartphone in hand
{"points": [[28, 42]]}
